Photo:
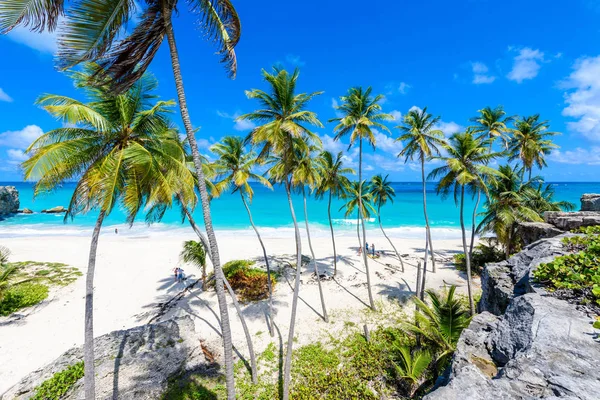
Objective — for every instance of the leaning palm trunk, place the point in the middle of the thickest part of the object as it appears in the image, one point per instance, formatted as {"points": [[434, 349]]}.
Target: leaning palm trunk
{"points": [[427, 230], [214, 250], [364, 231], [290, 343], [314, 260], [88, 347], [465, 249], [332, 235], [269, 284], [236, 304], [386, 236]]}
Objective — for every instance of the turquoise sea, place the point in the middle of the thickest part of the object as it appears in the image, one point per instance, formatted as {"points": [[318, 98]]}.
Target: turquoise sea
{"points": [[270, 211]]}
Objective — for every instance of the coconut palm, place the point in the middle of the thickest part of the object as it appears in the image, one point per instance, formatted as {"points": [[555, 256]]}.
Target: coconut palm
{"points": [[333, 181], [491, 125], [411, 367], [531, 142], [117, 147], [465, 166], [421, 140], [283, 119], [193, 253], [126, 58], [381, 192], [360, 114], [541, 199], [357, 197], [234, 169]]}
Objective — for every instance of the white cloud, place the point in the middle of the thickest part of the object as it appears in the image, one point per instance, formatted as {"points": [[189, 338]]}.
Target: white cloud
{"points": [[20, 139], [44, 42], [579, 155], [385, 163], [448, 127], [5, 97], [403, 87], [583, 102], [294, 60], [331, 145], [526, 65], [415, 108], [396, 114], [16, 155], [243, 125], [334, 105], [386, 143], [480, 74]]}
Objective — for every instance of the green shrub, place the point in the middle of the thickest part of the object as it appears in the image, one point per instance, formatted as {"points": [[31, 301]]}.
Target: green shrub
{"points": [[483, 253], [250, 284], [60, 383], [21, 296]]}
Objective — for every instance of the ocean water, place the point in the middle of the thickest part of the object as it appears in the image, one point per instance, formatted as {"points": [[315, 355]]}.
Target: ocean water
{"points": [[403, 217]]}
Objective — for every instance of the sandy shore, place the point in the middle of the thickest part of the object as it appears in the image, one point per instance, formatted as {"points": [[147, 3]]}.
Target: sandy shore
{"points": [[134, 274]]}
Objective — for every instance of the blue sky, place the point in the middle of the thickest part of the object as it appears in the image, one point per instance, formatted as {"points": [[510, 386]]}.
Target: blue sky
{"points": [[453, 57]]}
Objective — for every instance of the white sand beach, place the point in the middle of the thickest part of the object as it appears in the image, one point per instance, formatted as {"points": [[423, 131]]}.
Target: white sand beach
{"points": [[134, 274]]}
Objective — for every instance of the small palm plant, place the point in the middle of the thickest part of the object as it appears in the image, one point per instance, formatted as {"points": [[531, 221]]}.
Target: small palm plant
{"points": [[193, 253], [6, 271], [411, 367]]}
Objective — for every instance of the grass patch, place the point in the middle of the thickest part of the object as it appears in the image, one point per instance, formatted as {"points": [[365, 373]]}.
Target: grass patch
{"points": [[54, 274], [21, 296], [249, 283], [60, 383]]}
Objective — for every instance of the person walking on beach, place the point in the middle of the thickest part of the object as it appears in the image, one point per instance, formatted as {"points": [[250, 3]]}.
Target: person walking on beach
{"points": [[373, 249], [176, 272], [359, 250], [367, 247], [180, 277]]}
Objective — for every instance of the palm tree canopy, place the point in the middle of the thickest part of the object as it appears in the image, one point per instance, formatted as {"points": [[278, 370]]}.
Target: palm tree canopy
{"points": [[465, 165], [381, 190], [282, 119], [193, 253], [333, 174], [531, 141], [119, 148], [360, 115], [235, 167], [124, 51], [352, 195], [491, 124], [420, 136]]}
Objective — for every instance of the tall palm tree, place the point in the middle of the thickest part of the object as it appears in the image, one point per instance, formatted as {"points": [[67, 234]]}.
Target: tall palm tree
{"points": [[382, 191], [117, 147], [541, 199], [531, 142], [358, 198], [283, 118], [466, 165], [421, 140], [234, 168], [125, 59], [334, 181], [360, 114]]}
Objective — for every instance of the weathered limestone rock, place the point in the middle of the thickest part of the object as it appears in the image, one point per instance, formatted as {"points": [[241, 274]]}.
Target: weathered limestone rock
{"points": [[572, 220], [530, 232], [130, 364], [9, 200], [55, 210], [590, 202], [26, 211]]}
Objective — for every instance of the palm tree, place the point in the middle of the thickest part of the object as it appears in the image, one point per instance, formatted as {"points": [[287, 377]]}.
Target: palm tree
{"points": [[507, 205], [125, 59], [381, 191], [541, 199], [360, 115], [412, 367], [357, 197], [7, 272], [117, 147], [284, 118], [466, 166], [422, 140], [234, 168], [306, 174], [531, 142], [193, 253], [491, 124], [334, 181]]}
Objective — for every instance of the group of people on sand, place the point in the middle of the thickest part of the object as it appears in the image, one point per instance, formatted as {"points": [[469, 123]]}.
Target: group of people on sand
{"points": [[368, 251], [179, 275]]}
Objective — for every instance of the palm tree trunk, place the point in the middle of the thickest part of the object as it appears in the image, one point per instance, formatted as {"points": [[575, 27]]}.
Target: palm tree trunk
{"points": [[88, 346], [364, 232], [465, 249], [332, 235], [530, 168], [428, 231], [236, 304], [316, 267], [386, 236], [424, 275], [269, 284], [473, 224], [224, 314], [290, 343]]}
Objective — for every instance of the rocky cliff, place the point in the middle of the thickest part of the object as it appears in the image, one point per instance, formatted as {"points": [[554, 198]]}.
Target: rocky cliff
{"points": [[524, 344], [9, 200]]}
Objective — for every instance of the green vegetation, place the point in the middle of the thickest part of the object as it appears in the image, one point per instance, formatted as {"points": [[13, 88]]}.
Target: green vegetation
{"points": [[60, 383], [22, 295], [54, 274], [578, 272], [485, 252], [249, 283]]}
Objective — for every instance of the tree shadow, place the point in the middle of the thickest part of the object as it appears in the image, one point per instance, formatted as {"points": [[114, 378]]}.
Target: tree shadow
{"points": [[300, 297], [349, 292]]}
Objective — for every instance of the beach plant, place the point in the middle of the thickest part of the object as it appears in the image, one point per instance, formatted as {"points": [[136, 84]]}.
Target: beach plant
{"points": [[124, 36], [283, 119], [193, 253], [60, 383], [531, 142], [422, 140], [486, 251], [333, 182], [22, 295], [120, 150], [360, 114], [381, 191], [234, 169], [466, 165], [412, 367]]}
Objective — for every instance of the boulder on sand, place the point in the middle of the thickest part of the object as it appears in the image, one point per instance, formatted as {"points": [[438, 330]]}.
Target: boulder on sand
{"points": [[55, 210]]}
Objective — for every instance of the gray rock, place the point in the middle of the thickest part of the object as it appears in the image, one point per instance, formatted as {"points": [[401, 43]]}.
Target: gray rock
{"points": [[26, 211], [572, 220], [55, 210], [530, 232], [9, 200], [130, 364], [590, 202]]}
